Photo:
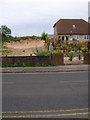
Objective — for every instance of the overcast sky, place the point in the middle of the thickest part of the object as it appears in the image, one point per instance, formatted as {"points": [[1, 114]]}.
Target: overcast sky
{"points": [[32, 17]]}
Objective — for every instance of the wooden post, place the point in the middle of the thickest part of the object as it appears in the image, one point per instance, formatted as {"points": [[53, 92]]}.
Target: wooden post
{"points": [[79, 57], [50, 57], [31, 59], [6, 60]]}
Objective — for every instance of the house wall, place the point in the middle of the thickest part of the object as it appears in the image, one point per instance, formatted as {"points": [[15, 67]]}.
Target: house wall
{"points": [[70, 37], [81, 38], [55, 31]]}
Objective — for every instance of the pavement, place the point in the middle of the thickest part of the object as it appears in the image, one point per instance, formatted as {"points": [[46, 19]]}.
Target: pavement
{"points": [[62, 68]]}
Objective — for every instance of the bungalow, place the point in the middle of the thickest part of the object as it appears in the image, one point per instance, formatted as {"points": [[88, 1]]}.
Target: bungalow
{"points": [[72, 29]]}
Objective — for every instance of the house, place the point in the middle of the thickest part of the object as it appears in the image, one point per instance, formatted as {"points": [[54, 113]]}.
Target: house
{"points": [[72, 29]]}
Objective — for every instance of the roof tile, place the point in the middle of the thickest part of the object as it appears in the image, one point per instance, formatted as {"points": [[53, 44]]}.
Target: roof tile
{"points": [[65, 26]]}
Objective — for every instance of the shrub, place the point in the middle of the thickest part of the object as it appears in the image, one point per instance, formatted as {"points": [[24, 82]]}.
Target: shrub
{"points": [[19, 38], [14, 65], [58, 45], [40, 52], [56, 52], [70, 55], [84, 49], [4, 50], [79, 46], [67, 47], [44, 36]]}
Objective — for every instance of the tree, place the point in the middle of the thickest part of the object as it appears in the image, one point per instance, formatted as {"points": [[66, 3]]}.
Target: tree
{"points": [[5, 31], [44, 36]]}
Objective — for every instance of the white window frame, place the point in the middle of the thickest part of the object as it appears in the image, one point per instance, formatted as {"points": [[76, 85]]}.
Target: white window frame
{"points": [[65, 37], [74, 26], [76, 37], [86, 37]]}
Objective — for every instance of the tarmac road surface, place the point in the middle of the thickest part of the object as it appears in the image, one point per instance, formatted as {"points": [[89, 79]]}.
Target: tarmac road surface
{"points": [[45, 95]]}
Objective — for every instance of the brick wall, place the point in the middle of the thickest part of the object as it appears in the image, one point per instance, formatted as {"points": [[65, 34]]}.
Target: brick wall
{"points": [[26, 60], [58, 59], [87, 58]]}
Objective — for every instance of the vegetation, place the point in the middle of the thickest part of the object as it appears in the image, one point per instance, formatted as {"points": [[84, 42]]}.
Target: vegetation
{"points": [[44, 36], [56, 52], [58, 45], [40, 52], [23, 65], [88, 46], [5, 32], [72, 50], [43, 52], [71, 56], [4, 50], [19, 38]]}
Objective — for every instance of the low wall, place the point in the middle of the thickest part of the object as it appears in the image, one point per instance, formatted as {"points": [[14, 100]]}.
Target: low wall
{"points": [[26, 60], [58, 59], [87, 58]]}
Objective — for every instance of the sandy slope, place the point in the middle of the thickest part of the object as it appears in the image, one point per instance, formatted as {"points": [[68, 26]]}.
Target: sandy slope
{"points": [[24, 47]]}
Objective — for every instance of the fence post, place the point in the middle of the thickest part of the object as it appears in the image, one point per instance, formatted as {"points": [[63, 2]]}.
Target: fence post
{"points": [[30, 58], [6, 60], [79, 57]]}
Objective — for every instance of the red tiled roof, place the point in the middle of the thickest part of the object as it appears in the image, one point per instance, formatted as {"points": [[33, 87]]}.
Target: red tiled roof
{"points": [[65, 26]]}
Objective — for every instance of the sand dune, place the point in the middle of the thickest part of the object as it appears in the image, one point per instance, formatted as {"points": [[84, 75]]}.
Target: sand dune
{"points": [[24, 47]]}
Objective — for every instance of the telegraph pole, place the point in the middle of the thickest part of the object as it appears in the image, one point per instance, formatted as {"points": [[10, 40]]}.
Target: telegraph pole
{"points": [[50, 57]]}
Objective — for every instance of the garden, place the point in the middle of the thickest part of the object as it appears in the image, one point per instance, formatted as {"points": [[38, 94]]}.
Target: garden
{"points": [[74, 52]]}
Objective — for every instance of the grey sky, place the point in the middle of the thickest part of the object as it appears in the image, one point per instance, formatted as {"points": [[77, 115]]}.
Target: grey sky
{"points": [[89, 8], [32, 17]]}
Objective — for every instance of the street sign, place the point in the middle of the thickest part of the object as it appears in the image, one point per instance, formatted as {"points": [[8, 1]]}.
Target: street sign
{"points": [[49, 39]]}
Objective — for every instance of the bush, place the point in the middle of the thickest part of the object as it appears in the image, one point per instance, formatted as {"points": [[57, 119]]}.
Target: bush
{"points": [[78, 47], [71, 56], [19, 38], [44, 36], [58, 45], [40, 52], [4, 50], [14, 65], [57, 52]]}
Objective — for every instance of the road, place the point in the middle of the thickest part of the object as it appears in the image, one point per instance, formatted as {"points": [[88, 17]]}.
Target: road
{"points": [[45, 95]]}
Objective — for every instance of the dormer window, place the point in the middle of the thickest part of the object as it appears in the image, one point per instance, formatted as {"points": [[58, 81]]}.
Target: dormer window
{"points": [[74, 26]]}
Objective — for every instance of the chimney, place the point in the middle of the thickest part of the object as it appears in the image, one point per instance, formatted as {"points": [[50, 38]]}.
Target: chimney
{"points": [[88, 19]]}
